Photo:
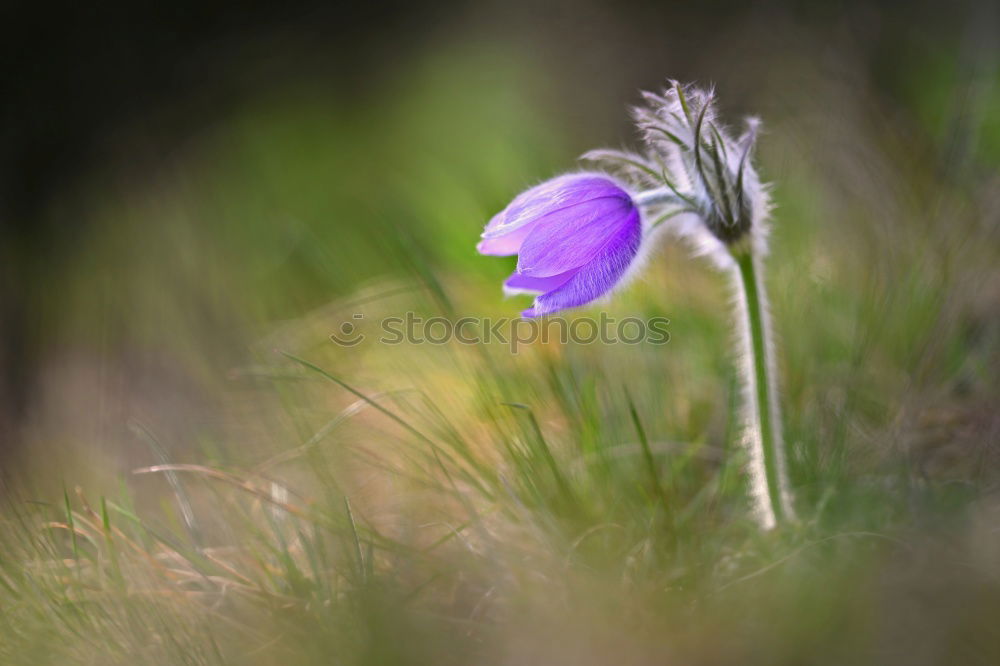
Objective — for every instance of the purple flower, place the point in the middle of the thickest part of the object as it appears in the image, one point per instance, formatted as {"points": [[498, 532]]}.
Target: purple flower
{"points": [[575, 236]]}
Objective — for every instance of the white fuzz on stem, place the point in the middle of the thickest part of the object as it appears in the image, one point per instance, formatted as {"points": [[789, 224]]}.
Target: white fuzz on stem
{"points": [[761, 433], [698, 181]]}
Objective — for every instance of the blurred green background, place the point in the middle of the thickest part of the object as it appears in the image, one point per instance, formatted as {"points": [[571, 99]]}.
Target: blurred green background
{"points": [[189, 192]]}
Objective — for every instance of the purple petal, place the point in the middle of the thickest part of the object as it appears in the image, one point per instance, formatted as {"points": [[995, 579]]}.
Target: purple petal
{"points": [[571, 237], [519, 283], [503, 246], [551, 196], [595, 279]]}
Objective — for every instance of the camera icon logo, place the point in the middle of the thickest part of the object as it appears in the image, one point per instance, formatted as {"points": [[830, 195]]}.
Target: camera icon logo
{"points": [[348, 335]]}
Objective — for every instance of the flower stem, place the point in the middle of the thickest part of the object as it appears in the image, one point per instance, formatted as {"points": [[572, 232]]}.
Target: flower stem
{"points": [[762, 414]]}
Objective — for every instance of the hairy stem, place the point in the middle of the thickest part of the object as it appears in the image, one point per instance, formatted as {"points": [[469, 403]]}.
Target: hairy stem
{"points": [[762, 416], [658, 196]]}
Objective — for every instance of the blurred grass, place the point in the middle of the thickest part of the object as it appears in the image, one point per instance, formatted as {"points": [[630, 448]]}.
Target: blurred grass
{"points": [[455, 504]]}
